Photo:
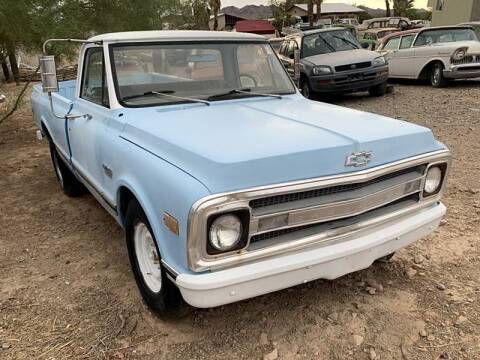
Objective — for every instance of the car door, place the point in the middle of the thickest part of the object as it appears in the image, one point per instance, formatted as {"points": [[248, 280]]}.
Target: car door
{"points": [[87, 134], [405, 57], [391, 52]]}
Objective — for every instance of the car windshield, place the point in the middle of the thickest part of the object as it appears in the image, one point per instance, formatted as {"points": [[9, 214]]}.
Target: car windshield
{"points": [[444, 36], [328, 42], [162, 74]]}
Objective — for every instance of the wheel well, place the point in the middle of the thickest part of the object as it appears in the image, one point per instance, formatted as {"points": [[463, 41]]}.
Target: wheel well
{"points": [[427, 69], [45, 131], [124, 198]]}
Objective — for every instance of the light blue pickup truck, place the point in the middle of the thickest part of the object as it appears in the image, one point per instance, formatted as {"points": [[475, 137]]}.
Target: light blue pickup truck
{"points": [[228, 182]]}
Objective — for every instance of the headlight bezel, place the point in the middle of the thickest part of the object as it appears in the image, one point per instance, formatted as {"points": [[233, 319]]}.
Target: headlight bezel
{"points": [[244, 217], [381, 59], [317, 68], [443, 171], [456, 54]]}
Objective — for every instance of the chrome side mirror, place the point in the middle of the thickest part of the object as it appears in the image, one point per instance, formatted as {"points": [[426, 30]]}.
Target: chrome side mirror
{"points": [[48, 72]]}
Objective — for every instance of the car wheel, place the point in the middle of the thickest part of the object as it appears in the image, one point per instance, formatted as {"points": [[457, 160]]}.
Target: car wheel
{"points": [[159, 293], [306, 90], [68, 182], [436, 77], [378, 90]]}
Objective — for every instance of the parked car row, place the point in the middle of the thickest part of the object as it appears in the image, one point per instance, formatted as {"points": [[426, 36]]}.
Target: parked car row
{"points": [[332, 59]]}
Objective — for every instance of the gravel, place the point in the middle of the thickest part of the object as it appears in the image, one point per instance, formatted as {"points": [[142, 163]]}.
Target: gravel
{"points": [[72, 294]]}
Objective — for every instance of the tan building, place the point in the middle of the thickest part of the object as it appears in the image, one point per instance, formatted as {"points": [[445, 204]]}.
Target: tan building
{"points": [[452, 12]]}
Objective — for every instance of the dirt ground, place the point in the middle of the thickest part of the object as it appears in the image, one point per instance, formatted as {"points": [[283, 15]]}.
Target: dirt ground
{"points": [[66, 289]]}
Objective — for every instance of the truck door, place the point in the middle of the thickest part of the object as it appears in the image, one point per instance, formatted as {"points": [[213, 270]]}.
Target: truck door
{"points": [[87, 134]]}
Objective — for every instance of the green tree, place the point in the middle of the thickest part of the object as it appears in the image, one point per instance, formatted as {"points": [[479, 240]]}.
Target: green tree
{"points": [[281, 15], [402, 7]]}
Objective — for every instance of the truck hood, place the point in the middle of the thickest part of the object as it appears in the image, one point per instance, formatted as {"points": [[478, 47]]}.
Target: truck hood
{"points": [[234, 145], [342, 57]]}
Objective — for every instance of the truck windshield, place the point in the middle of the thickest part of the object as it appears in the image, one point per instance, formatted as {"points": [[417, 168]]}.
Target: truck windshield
{"points": [[195, 71], [328, 42]]}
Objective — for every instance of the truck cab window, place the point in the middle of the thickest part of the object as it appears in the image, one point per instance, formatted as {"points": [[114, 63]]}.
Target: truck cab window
{"points": [[94, 86]]}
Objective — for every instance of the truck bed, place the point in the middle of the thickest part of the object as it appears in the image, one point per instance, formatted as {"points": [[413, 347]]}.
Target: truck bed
{"points": [[66, 89]]}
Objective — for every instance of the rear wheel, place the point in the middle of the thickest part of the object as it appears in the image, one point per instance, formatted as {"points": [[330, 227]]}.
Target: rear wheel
{"points": [[437, 79], [157, 290], [68, 182]]}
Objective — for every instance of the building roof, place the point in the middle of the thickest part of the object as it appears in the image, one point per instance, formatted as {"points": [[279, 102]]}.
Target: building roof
{"points": [[332, 8], [174, 35], [255, 26]]}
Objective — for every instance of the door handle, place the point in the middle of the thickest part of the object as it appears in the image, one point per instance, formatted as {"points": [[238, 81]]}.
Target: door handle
{"points": [[74, 117]]}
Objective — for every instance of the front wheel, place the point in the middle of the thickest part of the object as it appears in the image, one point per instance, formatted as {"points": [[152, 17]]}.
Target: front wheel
{"points": [[156, 289], [378, 90], [307, 92], [437, 79]]}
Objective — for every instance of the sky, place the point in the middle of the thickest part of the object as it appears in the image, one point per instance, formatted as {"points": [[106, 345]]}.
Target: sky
{"points": [[369, 3]]}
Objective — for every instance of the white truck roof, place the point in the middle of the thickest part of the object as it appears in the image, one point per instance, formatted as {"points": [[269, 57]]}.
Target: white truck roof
{"points": [[174, 35]]}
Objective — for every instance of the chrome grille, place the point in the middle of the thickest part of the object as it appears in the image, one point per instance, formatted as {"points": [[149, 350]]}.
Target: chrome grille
{"points": [[279, 199], [361, 65], [469, 59], [408, 200], [295, 210]]}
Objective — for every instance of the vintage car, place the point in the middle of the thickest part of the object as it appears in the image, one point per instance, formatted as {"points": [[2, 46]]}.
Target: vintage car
{"points": [[333, 61], [439, 54], [228, 182], [373, 37], [399, 23]]}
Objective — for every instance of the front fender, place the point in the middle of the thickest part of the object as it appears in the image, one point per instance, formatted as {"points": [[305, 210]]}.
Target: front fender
{"points": [[424, 63], [159, 187]]}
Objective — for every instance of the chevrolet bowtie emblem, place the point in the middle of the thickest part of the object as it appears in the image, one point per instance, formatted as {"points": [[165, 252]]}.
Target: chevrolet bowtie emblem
{"points": [[359, 159]]}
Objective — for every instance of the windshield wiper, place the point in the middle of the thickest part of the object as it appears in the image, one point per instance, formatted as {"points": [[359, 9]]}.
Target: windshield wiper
{"points": [[167, 93], [242, 91], [330, 46], [346, 40]]}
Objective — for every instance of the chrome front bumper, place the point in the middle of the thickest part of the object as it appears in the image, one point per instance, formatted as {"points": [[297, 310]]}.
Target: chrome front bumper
{"points": [[464, 71], [356, 252]]}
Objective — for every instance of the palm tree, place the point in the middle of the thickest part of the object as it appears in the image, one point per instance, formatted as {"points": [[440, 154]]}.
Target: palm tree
{"points": [[215, 8], [388, 11], [318, 13], [401, 7], [310, 12]]}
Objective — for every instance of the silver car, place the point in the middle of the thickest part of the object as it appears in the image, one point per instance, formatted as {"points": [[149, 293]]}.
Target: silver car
{"points": [[333, 61]]}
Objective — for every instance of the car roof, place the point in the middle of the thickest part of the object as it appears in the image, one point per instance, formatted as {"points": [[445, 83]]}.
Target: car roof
{"points": [[414, 31], [174, 35], [316, 31], [381, 29]]}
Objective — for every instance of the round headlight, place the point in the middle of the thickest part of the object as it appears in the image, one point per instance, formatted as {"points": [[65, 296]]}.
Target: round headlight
{"points": [[225, 232], [433, 180]]}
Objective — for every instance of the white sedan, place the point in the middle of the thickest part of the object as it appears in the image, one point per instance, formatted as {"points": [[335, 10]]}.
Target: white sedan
{"points": [[438, 53]]}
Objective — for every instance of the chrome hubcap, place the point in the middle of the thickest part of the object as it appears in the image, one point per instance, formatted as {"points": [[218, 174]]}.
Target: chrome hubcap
{"points": [[436, 76], [147, 257]]}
